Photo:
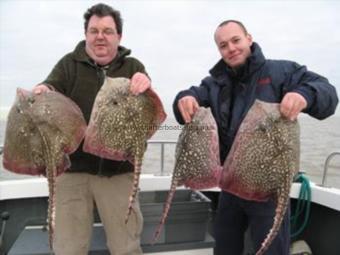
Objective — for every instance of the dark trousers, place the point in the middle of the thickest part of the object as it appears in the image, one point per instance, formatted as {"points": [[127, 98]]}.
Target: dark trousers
{"points": [[233, 217]]}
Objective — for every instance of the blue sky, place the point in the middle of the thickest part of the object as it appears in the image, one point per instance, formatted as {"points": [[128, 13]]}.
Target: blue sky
{"points": [[174, 39]]}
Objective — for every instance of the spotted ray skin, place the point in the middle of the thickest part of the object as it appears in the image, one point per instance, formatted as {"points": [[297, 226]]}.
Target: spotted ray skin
{"points": [[120, 125], [263, 161], [41, 131], [197, 164]]}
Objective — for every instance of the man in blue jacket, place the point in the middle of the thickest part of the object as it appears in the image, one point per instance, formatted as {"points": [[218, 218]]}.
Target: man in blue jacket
{"points": [[241, 76]]}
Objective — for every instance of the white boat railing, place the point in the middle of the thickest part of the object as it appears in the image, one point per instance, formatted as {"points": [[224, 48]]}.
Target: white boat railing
{"points": [[162, 144], [325, 170]]}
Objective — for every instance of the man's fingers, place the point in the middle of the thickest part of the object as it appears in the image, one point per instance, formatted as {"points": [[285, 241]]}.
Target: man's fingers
{"points": [[139, 83], [37, 91], [298, 106], [185, 114], [285, 106], [40, 89], [195, 106], [288, 111], [292, 104], [187, 107], [192, 107]]}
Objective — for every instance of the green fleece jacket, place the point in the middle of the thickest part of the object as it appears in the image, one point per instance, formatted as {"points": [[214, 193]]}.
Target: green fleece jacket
{"points": [[79, 78]]}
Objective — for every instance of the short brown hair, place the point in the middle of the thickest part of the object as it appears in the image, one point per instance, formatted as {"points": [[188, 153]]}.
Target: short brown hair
{"points": [[102, 10], [234, 21]]}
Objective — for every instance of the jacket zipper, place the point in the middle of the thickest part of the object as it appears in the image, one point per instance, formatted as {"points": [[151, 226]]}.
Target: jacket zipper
{"points": [[101, 77]]}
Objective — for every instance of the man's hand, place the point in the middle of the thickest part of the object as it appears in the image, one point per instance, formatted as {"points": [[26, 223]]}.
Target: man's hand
{"points": [[292, 104], [139, 83], [40, 88], [187, 106]]}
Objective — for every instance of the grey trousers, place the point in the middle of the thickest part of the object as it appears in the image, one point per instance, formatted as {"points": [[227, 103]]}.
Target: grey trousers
{"points": [[75, 198]]}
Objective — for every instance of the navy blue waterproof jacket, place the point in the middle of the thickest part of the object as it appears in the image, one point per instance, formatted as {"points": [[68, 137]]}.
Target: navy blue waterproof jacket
{"points": [[231, 93]]}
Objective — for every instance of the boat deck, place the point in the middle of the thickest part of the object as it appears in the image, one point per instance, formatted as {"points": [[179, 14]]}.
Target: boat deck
{"points": [[322, 232], [34, 241]]}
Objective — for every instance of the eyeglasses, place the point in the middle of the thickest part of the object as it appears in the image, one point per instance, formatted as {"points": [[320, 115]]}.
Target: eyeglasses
{"points": [[106, 31]]}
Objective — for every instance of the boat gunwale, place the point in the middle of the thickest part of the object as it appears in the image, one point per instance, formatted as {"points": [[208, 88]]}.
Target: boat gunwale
{"points": [[37, 187]]}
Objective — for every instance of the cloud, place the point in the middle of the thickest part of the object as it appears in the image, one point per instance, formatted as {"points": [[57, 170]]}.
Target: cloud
{"points": [[174, 39]]}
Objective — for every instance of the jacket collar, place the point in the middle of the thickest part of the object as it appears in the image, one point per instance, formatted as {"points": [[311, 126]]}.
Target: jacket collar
{"points": [[79, 54], [221, 70]]}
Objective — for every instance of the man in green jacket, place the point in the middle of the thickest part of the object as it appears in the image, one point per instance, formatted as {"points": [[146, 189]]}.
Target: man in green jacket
{"points": [[90, 179]]}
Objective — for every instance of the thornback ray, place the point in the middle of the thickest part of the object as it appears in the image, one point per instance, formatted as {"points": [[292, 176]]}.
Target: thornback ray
{"points": [[263, 160], [197, 159], [42, 130], [120, 125]]}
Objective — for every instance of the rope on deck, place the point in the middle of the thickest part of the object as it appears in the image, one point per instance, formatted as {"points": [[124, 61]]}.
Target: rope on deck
{"points": [[303, 205]]}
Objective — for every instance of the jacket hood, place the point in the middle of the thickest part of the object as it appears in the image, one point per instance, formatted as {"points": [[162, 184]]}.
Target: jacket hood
{"points": [[253, 62], [79, 53]]}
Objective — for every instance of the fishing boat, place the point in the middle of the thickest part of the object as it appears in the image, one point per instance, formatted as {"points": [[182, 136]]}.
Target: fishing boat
{"points": [[315, 214]]}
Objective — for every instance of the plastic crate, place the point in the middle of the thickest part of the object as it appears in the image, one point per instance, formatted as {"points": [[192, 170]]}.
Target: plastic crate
{"points": [[187, 219]]}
